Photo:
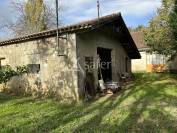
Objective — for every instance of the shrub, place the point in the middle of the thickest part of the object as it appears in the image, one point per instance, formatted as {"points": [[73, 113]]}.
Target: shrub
{"points": [[6, 73]]}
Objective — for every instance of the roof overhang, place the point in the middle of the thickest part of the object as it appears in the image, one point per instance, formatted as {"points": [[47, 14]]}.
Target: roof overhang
{"points": [[131, 47]]}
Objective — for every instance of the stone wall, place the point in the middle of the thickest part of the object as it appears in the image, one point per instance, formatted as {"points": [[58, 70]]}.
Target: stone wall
{"points": [[62, 76], [56, 75]]}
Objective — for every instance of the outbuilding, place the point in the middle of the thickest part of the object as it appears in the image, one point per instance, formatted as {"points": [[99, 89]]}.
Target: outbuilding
{"points": [[90, 50]]}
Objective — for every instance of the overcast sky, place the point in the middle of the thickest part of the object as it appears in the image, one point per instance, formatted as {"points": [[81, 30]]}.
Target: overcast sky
{"points": [[134, 12]]}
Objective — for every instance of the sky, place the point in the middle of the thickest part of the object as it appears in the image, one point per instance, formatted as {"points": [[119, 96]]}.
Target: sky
{"points": [[134, 12]]}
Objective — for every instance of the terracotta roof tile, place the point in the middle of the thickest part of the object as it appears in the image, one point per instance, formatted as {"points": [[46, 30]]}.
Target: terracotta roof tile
{"points": [[138, 38], [91, 24]]}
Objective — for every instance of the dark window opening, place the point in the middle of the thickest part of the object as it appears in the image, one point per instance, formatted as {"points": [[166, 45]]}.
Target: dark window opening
{"points": [[105, 64], [33, 68]]}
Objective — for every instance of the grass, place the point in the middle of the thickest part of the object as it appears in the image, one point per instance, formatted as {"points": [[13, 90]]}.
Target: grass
{"points": [[149, 105]]}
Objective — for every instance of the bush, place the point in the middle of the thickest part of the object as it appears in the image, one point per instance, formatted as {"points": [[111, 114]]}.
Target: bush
{"points": [[6, 73]]}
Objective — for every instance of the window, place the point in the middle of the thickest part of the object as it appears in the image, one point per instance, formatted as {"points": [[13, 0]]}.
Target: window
{"points": [[33, 68]]}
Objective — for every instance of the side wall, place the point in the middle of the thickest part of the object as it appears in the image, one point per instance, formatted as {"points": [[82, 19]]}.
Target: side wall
{"points": [[139, 65], [149, 62], [87, 45], [56, 74]]}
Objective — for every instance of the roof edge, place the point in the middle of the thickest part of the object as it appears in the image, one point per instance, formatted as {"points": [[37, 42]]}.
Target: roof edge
{"points": [[136, 54], [64, 29]]}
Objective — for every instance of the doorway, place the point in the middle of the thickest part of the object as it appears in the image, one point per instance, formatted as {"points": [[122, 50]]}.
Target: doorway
{"points": [[105, 64]]}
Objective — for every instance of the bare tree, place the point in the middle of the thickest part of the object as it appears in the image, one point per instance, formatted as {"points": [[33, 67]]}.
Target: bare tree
{"points": [[19, 27]]}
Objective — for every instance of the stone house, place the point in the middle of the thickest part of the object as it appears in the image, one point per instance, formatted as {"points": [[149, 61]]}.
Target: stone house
{"points": [[150, 61], [63, 69]]}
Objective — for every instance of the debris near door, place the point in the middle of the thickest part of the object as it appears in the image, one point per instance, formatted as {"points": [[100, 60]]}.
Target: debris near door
{"points": [[126, 77], [112, 87], [109, 87]]}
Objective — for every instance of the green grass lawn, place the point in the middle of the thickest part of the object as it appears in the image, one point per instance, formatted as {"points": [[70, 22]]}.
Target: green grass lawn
{"points": [[149, 105]]}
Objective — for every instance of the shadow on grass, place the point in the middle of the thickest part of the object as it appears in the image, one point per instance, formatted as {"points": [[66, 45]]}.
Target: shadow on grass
{"points": [[158, 120], [148, 108]]}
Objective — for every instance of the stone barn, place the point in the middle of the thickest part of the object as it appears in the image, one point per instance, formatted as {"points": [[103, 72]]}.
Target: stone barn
{"points": [[90, 50]]}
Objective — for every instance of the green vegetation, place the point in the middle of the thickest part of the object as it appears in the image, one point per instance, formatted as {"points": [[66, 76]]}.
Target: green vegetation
{"points": [[148, 105], [161, 33], [31, 16], [6, 73], [173, 21], [34, 16]]}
